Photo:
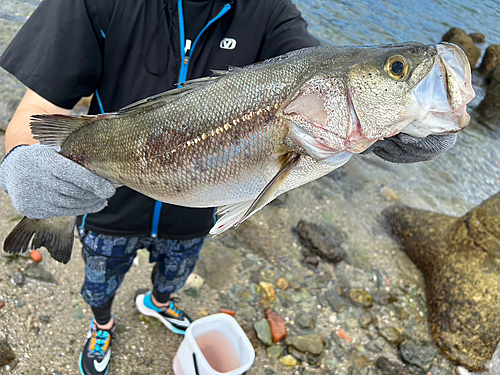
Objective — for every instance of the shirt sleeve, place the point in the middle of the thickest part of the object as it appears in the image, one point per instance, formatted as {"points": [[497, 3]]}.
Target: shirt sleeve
{"points": [[286, 30], [57, 53]]}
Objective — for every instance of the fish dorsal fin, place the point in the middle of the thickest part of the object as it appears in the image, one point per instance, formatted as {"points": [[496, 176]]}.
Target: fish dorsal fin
{"points": [[235, 214], [170, 95]]}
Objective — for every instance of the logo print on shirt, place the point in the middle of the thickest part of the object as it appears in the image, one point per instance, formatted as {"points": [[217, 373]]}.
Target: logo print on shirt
{"points": [[228, 43]]}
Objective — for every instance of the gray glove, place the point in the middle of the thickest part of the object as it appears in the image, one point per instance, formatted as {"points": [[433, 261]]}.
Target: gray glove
{"points": [[41, 183], [403, 148]]}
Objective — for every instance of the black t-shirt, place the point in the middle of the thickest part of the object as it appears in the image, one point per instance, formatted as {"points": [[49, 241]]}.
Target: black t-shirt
{"points": [[123, 51]]}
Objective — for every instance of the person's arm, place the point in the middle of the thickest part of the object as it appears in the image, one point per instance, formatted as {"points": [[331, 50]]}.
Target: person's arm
{"points": [[18, 131]]}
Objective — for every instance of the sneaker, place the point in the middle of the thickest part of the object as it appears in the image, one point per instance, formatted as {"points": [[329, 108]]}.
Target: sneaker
{"points": [[171, 316], [94, 359]]}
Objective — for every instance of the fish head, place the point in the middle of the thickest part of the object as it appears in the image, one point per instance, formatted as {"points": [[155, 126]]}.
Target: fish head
{"points": [[371, 93]]}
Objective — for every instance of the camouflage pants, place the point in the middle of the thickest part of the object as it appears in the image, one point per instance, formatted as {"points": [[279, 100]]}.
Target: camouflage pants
{"points": [[108, 259]]}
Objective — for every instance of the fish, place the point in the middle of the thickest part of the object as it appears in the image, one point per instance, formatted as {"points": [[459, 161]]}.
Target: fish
{"points": [[241, 137]]}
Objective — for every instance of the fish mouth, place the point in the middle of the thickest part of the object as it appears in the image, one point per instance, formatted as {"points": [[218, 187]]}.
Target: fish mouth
{"points": [[441, 98]]}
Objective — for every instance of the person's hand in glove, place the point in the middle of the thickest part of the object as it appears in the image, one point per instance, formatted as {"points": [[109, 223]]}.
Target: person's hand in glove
{"points": [[41, 184], [403, 148]]}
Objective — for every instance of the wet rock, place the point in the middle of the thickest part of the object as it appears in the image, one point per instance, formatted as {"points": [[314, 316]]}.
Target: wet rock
{"points": [[376, 346], [276, 324], [269, 291], [282, 283], [459, 37], [389, 195], [310, 261], [478, 38], [365, 320], [489, 108], [267, 276], [289, 361], [392, 335], [392, 368], [263, 332], [6, 353], [18, 276], [192, 291], [336, 302], [360, 297], [274, 351], [305, 321], [312, 343], [460, 260], [194, 280], [325, 241], [491, 59], [421, 354], [36, 271]]}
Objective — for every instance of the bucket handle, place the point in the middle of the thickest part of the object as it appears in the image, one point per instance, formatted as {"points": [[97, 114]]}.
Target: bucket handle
{"points": [[196, 366]]}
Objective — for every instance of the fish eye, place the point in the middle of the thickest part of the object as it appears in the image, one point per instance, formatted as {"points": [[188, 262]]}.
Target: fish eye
{"points": [[397, 67]]}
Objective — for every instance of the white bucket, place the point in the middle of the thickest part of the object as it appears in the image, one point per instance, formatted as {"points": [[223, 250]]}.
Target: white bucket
{"points": [[214, 345]]}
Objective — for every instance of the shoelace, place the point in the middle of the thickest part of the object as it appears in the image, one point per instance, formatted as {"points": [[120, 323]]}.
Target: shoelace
{"points": [[174, 307], [101, 338]]}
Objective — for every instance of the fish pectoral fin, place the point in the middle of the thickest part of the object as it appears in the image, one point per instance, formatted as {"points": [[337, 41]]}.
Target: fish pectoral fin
{"points": [[233, 215], [314, 147], [57, 239]]}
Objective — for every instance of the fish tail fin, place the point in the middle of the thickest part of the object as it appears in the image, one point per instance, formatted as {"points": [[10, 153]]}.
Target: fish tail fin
{"points": [[55, 234], [53, 130]]}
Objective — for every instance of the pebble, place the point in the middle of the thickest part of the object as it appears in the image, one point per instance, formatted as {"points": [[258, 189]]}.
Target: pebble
{"points": [[311, 343], [282, 283], [44, 318], [276, 324], [192, 291], [392, 335], [360, 297], [194, 280], [392, 368], [2, 303], [335, 301], [388, 194], [366, 319], [19, 277], [263, 332], [305, 321], [419, 353], [289, 361], [269, 291], [267, 276], [376, 346], [274, 351], [324, 242], [37, 272]]}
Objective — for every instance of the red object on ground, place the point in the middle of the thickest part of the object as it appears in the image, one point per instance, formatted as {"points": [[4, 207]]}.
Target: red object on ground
{"points": [[277, 324], [35, 256], [342, 334], [228, 312]]}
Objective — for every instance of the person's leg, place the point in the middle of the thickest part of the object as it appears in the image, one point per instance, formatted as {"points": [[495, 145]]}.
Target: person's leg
{"points": [[175, 260], [107, 260]]}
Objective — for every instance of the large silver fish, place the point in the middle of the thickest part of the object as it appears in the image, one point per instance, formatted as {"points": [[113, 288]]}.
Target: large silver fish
{"points": [[240, 138]]}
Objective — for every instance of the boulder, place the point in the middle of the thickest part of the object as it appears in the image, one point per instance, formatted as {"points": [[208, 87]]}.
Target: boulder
{"points": [[460, 260], [460, 38], [489, 108], [478, 38], [491, 59]]}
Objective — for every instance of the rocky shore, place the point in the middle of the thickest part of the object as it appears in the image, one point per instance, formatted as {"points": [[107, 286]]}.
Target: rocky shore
{"points": [[317, 289]]}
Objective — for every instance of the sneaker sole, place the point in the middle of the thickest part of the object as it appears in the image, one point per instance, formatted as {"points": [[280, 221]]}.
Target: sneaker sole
{"points": [[139, 303]]}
